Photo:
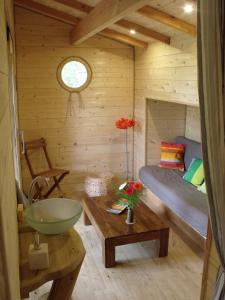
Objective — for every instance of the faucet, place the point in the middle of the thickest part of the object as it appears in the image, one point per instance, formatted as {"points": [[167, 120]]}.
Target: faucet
{"points": [[36, 243], [33, 182]]}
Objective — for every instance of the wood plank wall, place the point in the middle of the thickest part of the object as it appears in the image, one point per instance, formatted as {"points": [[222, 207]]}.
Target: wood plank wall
{"points": [[212, 261], [87, 142], [166, 73], [169, 73], [9, 257], [165, 121], [192, 128]]}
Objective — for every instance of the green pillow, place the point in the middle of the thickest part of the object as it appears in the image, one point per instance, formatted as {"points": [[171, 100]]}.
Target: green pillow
{"points": [[195, 172], [202, 188]]}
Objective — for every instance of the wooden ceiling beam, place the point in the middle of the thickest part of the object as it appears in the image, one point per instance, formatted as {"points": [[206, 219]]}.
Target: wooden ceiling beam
{"points": [[76, 5], [68, 19], [167, 19], [123, 38], [47, 11], [104, 14], [123, 23], [144, 31]]}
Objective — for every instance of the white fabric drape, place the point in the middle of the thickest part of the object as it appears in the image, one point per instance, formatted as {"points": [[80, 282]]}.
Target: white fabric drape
{"points": [[211, 54]]}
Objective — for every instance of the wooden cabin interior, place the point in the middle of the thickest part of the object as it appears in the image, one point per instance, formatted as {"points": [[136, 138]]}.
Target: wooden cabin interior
{"points": [[139, 60]]}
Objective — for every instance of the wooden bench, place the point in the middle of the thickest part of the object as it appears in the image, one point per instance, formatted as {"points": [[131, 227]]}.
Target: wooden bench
{"points": [[177, 202], [192, 238]]}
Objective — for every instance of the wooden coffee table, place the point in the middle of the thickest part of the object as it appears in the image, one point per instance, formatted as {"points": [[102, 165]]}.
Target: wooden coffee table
{"points": [[113, 231]]}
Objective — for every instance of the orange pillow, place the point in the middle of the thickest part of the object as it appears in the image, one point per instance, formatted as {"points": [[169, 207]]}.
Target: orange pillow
{"points": [[172, 156]]}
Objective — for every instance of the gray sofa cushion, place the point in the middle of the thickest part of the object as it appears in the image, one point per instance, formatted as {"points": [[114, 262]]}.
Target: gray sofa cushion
{"points": [[181, 197], [193, 150]]}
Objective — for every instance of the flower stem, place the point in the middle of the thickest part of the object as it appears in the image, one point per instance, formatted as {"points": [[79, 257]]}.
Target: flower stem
{"points": [[127, 158]]}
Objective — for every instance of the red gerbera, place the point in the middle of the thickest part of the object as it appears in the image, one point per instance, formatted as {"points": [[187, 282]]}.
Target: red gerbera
{"points": [[131, 184], [137, 186], [129, 191], [123, 123], [131, 122]]}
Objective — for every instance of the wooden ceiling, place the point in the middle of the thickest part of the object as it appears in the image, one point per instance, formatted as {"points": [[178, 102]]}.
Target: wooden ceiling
{"points": [[151, 19]]}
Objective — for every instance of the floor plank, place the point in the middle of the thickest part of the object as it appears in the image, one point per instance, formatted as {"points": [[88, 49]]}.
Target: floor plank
{"points": [[139, 274]]}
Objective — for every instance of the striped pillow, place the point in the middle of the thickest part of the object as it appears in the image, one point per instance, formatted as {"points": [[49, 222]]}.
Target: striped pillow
{"points": [[195, 172], [172, 156]]}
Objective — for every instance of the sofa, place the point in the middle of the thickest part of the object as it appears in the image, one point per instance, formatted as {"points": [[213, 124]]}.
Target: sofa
{"points": [[184, 206]]}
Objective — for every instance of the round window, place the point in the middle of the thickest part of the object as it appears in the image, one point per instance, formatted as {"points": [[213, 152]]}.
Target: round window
{"points": [[74, 74]]}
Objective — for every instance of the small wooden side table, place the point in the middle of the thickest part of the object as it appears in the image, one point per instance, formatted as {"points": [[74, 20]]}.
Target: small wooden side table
{"points": [[66, 254]]}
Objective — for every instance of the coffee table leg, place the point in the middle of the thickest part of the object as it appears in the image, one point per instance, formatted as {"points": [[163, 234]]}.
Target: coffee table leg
{"points": [[164, 241], [86, 219], [108, 253]]}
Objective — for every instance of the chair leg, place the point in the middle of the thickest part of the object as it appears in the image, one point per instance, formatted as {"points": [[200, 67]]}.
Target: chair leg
{"points": [[58, 187], [38, 193], [55, 185]]}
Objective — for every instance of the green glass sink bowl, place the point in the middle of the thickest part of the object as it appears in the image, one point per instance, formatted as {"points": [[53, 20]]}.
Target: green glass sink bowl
{"points": [[53, 216]]}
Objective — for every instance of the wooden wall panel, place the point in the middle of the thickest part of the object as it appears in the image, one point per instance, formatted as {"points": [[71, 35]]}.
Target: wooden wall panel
{"points": [[9, 257], [193, 128], [213, 268], [165, 121], [169, 73], [165, 73], [86, 142]]}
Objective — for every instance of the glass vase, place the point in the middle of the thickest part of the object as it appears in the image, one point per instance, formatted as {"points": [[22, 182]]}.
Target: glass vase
{"points": [[130, 216]]}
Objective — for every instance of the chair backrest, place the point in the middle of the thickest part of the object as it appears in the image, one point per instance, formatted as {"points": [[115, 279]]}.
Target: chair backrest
{"points": [[32, 145]]}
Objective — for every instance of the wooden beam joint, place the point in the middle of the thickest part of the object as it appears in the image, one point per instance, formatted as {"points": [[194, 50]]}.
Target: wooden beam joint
{"points": [[104, 14]]}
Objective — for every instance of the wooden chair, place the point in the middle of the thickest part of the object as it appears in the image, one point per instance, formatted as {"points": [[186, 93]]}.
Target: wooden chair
{"points": [[56, 174]]}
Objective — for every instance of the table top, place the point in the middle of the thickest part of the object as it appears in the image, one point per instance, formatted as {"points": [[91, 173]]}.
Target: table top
{"points": [[110, 225], [66, 251]]}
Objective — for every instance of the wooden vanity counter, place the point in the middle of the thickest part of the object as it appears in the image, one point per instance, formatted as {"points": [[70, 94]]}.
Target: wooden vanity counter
{"points": [[66, 254]]}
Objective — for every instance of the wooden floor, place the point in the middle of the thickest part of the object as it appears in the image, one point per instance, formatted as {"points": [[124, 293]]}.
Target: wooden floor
{"points": [[138, 275]]}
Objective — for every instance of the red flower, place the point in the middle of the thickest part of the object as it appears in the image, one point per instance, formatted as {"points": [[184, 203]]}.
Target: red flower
{"points": [[123, 123], [131, 184], [137, 186], [129, 191], [131, 122]]}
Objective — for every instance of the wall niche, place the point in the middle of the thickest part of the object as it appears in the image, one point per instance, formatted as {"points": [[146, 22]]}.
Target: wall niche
{"points": [[165, 121]]}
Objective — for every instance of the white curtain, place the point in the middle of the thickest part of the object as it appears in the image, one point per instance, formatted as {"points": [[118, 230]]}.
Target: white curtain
{"points": [[211, 57]]}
